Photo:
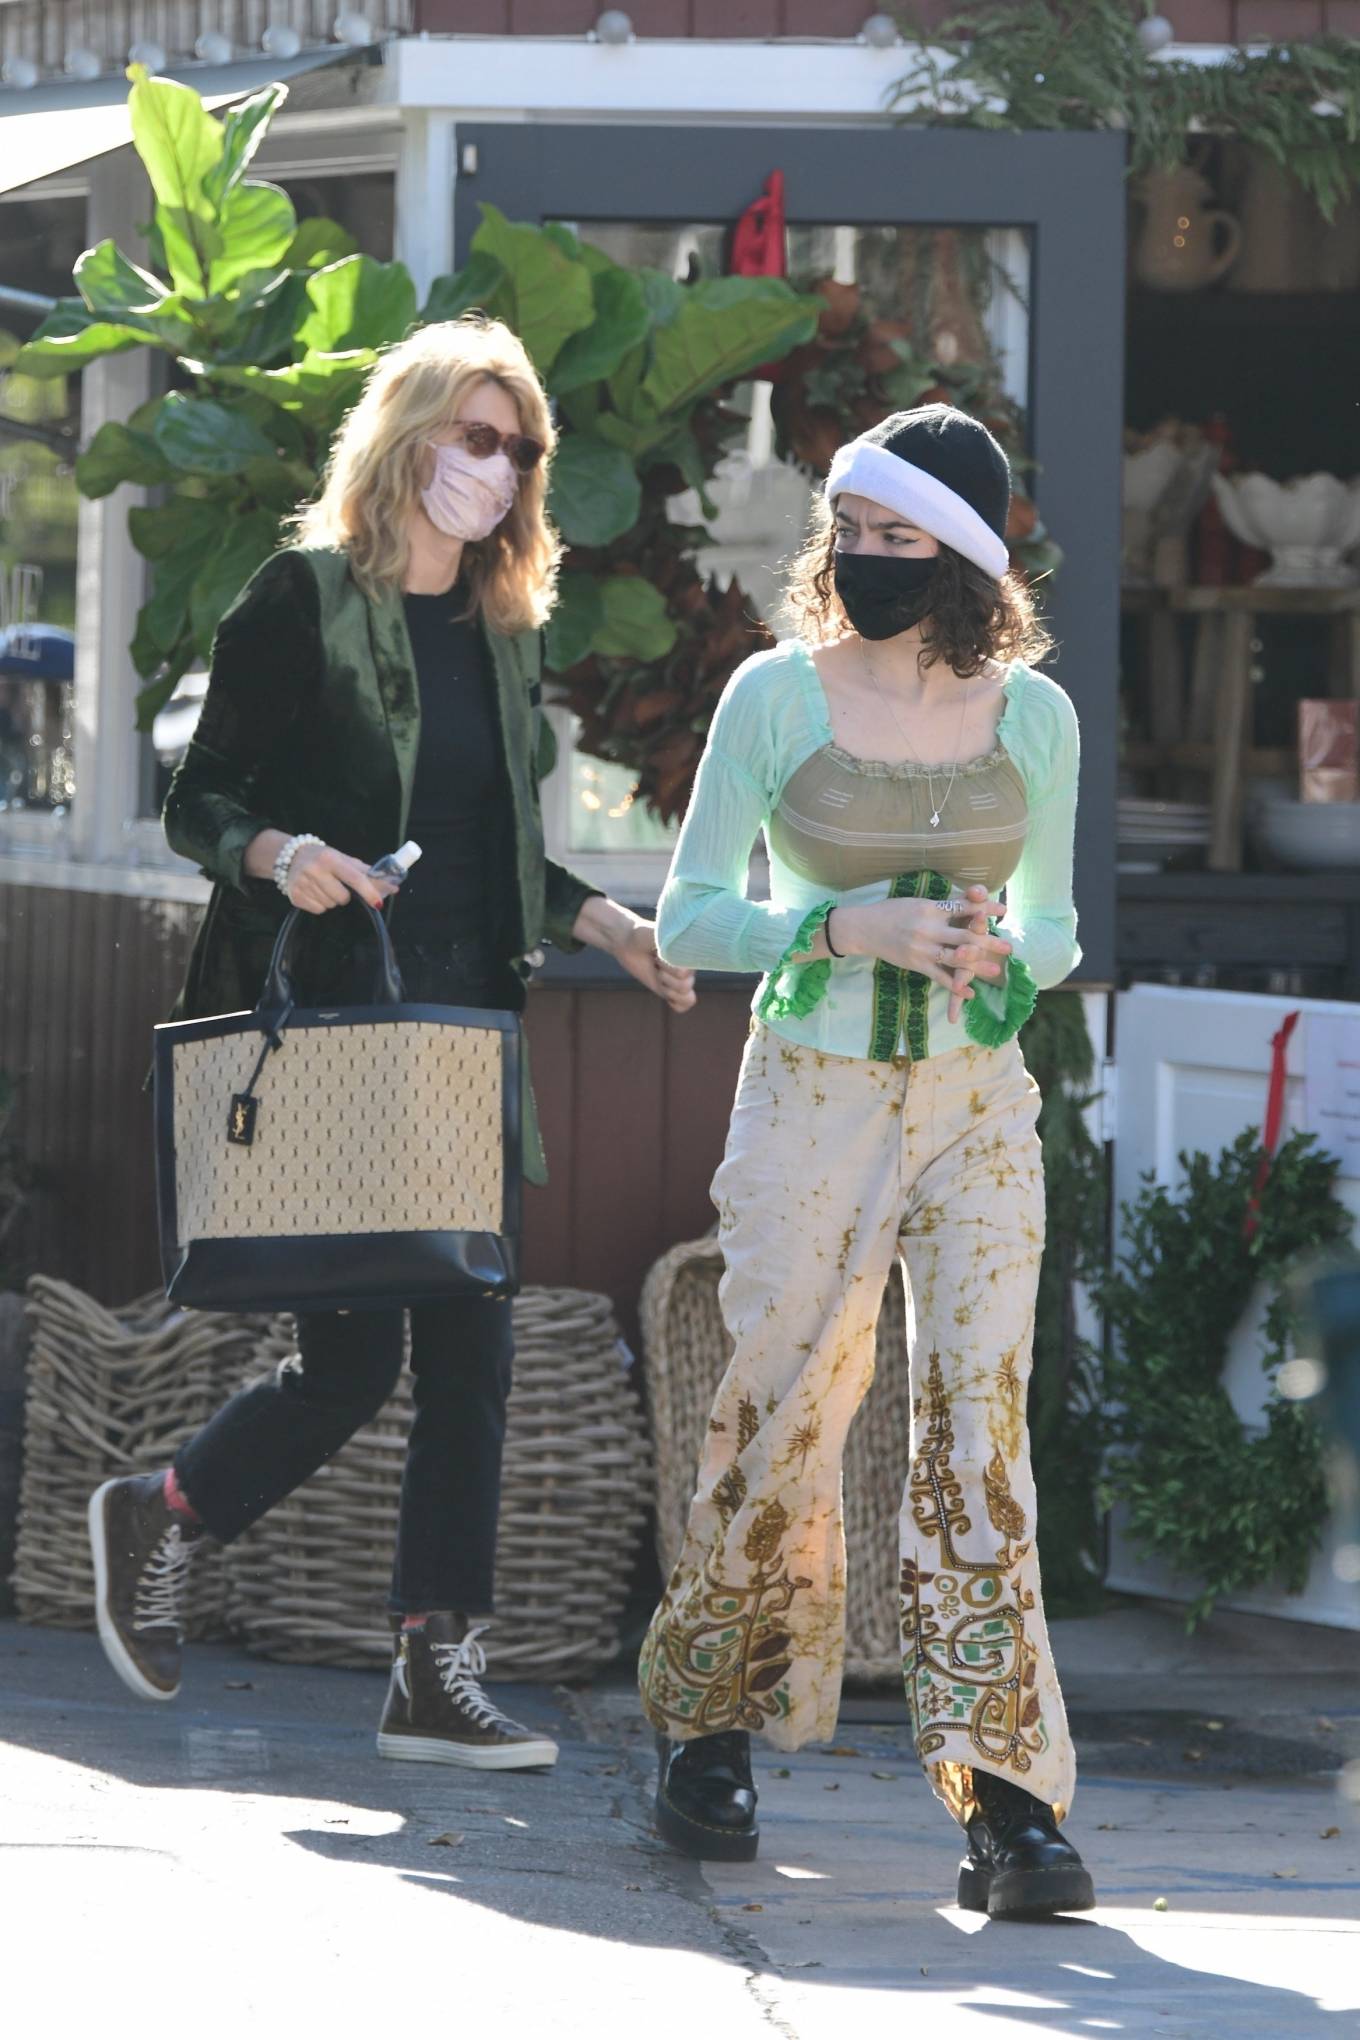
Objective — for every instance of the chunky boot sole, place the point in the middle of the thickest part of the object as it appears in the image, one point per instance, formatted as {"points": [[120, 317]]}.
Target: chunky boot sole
{"points": [[1025, 1894], [429, 1749], [699, 1838], [115, 1650]]}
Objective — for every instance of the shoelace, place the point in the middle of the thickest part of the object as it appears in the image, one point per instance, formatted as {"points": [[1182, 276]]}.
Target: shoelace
{"points": [[461, 1665], [160, 1584]]}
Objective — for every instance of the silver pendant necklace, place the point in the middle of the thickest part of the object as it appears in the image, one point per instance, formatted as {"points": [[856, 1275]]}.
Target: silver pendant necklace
{"points": [[935, 805]]}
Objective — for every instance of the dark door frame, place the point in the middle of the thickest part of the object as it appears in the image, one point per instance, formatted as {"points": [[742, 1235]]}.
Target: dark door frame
{"points": [[1066, 189]]}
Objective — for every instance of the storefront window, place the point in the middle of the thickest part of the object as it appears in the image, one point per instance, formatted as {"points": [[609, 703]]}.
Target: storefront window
{"points": [[911, 299], [39, 430]]}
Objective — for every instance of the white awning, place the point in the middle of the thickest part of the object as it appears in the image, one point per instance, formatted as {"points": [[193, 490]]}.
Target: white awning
{"points": [[54, 127]]}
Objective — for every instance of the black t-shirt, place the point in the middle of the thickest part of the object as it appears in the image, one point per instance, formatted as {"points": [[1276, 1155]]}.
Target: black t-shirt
{"points": [[446, 908]]}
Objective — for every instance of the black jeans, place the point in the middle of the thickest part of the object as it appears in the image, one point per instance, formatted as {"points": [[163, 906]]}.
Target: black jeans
{"points": [[271, 1436]]}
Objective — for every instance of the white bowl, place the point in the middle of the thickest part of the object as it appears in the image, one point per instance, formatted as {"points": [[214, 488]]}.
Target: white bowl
{"points": [[1306, 525], [1148, 475], [1309, 835]]}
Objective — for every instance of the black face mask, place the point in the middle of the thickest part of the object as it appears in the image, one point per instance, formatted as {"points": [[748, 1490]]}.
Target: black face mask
{"points": [[882, 596]]}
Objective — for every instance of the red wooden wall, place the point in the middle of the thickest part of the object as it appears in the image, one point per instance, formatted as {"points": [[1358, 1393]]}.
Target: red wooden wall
{"points": [[634, 1100], [1216, 21]]}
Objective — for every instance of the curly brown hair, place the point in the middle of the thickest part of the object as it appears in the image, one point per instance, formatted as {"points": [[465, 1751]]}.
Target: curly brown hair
{"points": [[972, 619]]}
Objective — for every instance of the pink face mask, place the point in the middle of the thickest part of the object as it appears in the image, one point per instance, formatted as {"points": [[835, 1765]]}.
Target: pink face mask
{"points": [[468, 498]]}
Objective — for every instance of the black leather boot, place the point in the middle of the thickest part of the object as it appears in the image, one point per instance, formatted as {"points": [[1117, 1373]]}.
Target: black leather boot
{"points": [[705, 1801], [1018, 1863]]}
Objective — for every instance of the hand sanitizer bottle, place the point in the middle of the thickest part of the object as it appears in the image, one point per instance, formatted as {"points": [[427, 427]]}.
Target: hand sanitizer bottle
{"points": [[396, 865]]}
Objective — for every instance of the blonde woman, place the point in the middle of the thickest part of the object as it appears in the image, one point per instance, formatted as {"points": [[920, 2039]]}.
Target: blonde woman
{"points": [[378, 680], [905, 762]]}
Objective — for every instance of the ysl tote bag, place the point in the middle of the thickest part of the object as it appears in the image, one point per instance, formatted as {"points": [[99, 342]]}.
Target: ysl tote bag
{"points": [[315, 1158]]}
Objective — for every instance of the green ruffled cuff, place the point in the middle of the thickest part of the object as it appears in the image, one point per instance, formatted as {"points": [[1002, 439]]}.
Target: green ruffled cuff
{"points": [[793, 989], [997, 1012]]}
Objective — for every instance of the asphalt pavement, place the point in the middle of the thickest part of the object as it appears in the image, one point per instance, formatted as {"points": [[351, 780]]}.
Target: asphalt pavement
{"points": [[241, 1862]]}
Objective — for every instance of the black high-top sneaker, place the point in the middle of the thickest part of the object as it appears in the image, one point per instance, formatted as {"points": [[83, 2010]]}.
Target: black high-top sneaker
{"points": [[437, 1713], [1018, 1863], [142, 1551], [706, 1801]]}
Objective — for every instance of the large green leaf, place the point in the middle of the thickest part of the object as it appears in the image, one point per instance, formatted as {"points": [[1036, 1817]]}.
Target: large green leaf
{"points": [[264, 322], [254, 230], [243, 129], [551, 291], [279, 485], [357, 303], [179, 142], [118, 454], [248, 543], [480, 285], [203, 437], [314, 387], [117, 292], [595, 494], [68, 338], [164, 618], [724, 329], [621, 322], [663, 294], [635, 622], [168, 527], [574, 621], [317, 243]]}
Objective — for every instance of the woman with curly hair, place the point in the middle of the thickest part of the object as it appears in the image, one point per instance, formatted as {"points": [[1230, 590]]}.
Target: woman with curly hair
{"points": [[379, 678], [906, 763]]}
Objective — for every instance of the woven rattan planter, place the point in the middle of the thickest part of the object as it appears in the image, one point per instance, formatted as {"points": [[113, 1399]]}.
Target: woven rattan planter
{"points": [[112, 1393], [686, 1351], [309, 1583]]}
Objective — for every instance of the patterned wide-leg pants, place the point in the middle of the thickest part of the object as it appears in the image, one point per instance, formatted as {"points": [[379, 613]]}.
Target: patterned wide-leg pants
{"points": [[834, 1164]]}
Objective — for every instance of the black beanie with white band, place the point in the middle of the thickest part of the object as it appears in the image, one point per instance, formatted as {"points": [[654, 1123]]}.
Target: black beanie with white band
{"points": [[941, 470]]}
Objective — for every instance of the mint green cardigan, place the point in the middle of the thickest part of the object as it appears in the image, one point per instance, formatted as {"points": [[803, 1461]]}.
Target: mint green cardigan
{"points": [[772, 717]]}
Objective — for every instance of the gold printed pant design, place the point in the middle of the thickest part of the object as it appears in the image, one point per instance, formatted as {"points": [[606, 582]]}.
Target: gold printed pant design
{"points": [[834, 1165]]}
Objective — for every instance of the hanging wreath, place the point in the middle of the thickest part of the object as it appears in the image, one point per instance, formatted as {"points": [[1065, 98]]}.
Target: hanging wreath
{"points": [[1229, 1506]]}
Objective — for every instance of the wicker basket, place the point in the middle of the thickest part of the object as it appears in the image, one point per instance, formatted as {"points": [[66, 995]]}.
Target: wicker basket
{"points": [[308, 1584], [112, 1393], [686, 1351]]}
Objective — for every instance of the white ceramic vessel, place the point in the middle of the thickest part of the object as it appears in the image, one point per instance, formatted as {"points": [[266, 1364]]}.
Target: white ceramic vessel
{"points": [[1164, 486], [1306, 525]]}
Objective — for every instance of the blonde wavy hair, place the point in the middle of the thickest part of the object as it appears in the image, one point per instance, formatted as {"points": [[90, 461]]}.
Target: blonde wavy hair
{"points": [[372, 478]]}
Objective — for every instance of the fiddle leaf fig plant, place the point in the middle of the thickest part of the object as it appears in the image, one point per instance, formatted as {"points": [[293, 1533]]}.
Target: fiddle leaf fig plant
{"points": [[270, 328]]}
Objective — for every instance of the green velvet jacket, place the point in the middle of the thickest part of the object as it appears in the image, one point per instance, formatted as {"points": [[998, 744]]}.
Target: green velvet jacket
{"points": [[312, 724]]}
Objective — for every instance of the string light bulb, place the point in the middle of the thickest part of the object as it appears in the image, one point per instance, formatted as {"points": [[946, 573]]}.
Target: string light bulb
{"points": [[83, 64], [279, 40], [1155, 32], [354, 28], [614, 26], [880, 32]]}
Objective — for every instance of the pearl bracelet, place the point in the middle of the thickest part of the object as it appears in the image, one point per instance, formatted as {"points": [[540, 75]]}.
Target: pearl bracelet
{"points": [[283, 863]]}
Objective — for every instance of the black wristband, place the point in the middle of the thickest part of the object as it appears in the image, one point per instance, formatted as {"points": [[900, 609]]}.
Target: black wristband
{"points": [[826, 930]]}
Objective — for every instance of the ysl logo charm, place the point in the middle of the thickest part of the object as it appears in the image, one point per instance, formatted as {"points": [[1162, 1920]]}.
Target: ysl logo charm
{"points": [[241, 1124]]}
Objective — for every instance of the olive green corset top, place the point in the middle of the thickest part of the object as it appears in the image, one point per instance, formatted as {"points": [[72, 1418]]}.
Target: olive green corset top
{"points": [[843, 822]]}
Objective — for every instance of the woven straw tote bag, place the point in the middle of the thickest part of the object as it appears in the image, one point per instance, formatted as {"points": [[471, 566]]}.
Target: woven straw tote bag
{"points": [[313, 1158]]}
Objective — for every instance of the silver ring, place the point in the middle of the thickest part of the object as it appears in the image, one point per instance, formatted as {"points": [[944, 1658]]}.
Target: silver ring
{"points": [[944, 954]]}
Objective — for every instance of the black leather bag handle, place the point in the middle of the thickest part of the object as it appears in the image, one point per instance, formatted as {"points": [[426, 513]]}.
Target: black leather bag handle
{"points": [[277, 999]]}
